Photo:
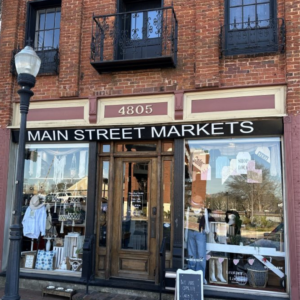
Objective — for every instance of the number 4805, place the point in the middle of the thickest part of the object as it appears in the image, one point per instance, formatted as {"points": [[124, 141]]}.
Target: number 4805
{"points": [[139, 109]]}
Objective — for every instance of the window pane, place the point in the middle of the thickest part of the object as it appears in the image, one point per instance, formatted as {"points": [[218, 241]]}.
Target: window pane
{"points": [[246, 2], [240, 181], [105, 148], [249, 16], [56, 38], [235, 2], [50, 19], [167, 146], [57, 19], [48, 41], [235, 18], [154, 24], [41, 24], [104, 204], [135, 206], [167, 190], [135, 147], [136, 31], [263, 1], [39, 39], [263, 14]]}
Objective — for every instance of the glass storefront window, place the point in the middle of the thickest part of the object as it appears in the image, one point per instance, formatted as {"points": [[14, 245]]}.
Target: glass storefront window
{"points": [[55, 197], [239, 182]]}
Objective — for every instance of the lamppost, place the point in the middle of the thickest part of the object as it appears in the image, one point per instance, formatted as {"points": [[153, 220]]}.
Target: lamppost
{"points": [[27, 64]]}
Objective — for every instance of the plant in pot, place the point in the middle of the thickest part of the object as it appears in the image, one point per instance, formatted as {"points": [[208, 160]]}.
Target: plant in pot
{"points": [[79, 252]]}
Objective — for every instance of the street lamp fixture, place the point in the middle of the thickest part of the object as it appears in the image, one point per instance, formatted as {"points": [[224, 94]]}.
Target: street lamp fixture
{"points": [[27, 64]]}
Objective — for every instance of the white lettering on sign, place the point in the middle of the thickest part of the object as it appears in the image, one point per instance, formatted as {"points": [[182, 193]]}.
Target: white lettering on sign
{"points": [[162, 132], [139, 109], [147, 132], [250, 127], [79, 135]]}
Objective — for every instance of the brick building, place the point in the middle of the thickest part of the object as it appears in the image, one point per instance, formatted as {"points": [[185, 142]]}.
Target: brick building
{"points": [[207, 94]]}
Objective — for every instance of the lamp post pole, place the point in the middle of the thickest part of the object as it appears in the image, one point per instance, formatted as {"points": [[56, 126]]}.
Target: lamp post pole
{"points": [[26, 81]]}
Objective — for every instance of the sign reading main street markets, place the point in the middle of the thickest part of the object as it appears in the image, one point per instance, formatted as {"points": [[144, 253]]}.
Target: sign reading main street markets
{"points": [[201, 130]]}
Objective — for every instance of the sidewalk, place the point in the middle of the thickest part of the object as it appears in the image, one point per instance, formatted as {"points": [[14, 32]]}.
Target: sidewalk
{"points": [[37, 295]]}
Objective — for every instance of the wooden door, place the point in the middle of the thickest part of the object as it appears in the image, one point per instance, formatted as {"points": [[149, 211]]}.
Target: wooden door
{"points": [[134, 218]]}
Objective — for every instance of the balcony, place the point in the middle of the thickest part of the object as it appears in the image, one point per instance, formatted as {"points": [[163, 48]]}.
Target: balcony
{"points": [[253, 37], [49, 61], [134, 40]]}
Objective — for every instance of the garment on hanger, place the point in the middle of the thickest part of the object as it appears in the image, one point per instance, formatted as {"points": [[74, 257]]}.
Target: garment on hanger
{"points": [[82, 164], [59, 168], [34, 222], [39, 165], [275, 168]]}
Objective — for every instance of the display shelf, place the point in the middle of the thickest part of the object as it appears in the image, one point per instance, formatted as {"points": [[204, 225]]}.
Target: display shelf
{"points": [[251, 250]]}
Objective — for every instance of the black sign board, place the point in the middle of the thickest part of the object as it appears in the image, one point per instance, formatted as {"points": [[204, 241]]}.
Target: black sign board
{"points": [[189, 285], [200, 130]]}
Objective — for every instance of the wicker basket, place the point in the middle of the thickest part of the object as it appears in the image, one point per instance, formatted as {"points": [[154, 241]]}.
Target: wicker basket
{"points": [[258, 278]]}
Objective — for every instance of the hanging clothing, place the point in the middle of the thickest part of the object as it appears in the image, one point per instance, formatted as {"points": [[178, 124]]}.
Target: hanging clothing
{"points": [[197, 251], [39, 165], [59, 168], [34, 222], [82, 164]]}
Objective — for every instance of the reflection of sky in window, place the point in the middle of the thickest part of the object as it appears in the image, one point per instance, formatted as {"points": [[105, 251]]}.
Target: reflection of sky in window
{"points": [[105, 169]]}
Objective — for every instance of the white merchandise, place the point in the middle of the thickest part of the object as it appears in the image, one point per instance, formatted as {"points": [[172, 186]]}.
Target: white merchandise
{"points": [[34, 222], [82, 163], [59, 168]]}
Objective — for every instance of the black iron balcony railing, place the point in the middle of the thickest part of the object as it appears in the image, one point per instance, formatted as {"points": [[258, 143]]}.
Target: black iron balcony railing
{"points": [[49, 61], [134, 40], [253, 37]]}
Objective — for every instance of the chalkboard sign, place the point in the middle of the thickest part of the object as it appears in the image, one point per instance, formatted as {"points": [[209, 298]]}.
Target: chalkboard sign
{"points": [[189, 285]]}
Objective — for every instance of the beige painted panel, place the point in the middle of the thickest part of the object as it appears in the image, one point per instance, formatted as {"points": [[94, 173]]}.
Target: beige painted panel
{"points": [[53, 123], [278, 91], [151, 119]]}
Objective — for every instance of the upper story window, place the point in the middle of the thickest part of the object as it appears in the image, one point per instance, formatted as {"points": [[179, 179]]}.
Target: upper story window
{"points": [[142, 34], [251, 27], [47, 29], [43, 30], [246, 14]]}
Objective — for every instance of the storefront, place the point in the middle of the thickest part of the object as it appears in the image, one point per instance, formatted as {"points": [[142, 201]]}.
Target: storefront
{"points": [[127, 186]]}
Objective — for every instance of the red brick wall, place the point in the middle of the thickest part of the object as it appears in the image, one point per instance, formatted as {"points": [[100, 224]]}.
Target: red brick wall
{"points": [[198, 67]]}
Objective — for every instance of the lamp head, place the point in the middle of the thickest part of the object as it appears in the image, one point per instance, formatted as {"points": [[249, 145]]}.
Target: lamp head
{"points": [[27, 62]]}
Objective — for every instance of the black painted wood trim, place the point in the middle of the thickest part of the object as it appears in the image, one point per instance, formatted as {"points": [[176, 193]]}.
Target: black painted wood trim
{"points": [[88, 259], [92, 190], [178, 203]]}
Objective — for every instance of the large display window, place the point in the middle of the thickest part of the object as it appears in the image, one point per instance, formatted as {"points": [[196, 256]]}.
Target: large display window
{"points": [[54, 208], [234, 212]]}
